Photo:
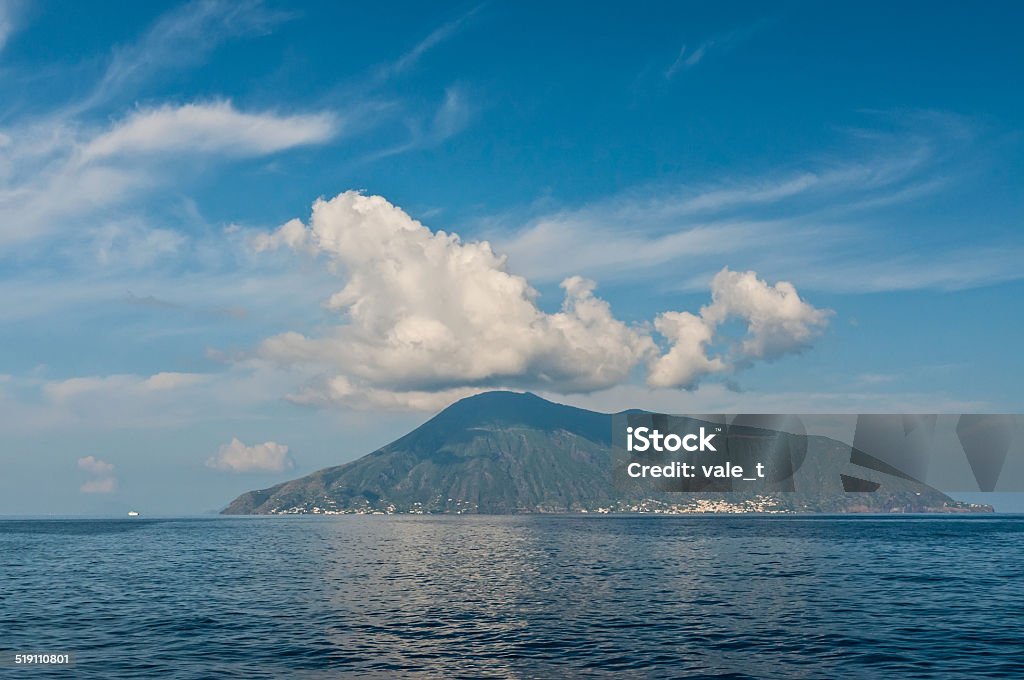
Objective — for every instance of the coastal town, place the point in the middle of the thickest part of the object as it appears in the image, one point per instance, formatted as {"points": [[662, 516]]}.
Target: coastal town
{"points": [[761, 504], [758, 504]]}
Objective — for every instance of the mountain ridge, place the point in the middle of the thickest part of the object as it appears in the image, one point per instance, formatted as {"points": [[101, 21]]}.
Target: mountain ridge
{"points": [[506, 452]]}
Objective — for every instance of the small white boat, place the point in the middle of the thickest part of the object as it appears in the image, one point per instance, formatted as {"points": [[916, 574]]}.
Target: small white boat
{"points": [[132, 513]]}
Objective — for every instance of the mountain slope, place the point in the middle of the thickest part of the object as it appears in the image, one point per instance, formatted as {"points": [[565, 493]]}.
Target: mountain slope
{"points": [[505, 452], [498, 452]]}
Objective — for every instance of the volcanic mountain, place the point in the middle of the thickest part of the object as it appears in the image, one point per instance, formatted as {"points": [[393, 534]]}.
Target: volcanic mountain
{"points": [[508, 452]]}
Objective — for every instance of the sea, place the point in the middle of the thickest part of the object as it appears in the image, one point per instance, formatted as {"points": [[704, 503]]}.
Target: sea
{"points": [[532, 596]]}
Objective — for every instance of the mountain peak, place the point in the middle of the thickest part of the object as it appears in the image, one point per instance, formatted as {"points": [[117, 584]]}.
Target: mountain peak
{"points": [[497, 398], [502, 408]]}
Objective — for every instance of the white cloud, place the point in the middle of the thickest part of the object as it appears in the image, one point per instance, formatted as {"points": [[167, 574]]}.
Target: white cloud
{"points": [[686, 361], [431, 317], [292, 234], [123, 385], [94, 465], [172, 381], [237, 457], [64, 390], [428, 312], [209, 128], [102, 472], [778, 321]]}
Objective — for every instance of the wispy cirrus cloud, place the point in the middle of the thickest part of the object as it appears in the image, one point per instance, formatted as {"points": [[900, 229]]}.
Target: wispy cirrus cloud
{"points": [[624, 235], [447, 119], [8, 10], [58, 169], [67, 165], [692, 54], [687, 58], [167, 399], [181, 38], [125, 385], [451, 117], [436, 37], [960, 268], [64, 164], [215, 127], [824, 227]]}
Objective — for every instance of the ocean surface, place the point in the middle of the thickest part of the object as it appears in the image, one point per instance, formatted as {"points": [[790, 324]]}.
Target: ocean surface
{"points": [[524, 596]]}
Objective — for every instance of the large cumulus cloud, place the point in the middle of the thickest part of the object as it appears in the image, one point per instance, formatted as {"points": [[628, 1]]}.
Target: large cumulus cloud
{"points": [[426, 317]]}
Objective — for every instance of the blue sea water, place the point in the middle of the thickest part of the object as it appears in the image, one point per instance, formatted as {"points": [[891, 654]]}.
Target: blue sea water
{"points": [[524, 596]]}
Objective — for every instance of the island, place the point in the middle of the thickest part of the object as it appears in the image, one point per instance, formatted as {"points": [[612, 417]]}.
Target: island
{"points": [[508, 453]]}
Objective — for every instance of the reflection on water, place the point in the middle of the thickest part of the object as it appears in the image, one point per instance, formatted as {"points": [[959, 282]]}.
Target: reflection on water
{"points": [[530, 596]]}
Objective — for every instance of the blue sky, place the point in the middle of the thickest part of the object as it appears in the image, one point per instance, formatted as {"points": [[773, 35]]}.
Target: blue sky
{"points": [[157, 318]]}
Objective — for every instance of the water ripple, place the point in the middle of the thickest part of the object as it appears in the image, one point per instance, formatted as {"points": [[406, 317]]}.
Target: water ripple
{"points": [[519, 597]]}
